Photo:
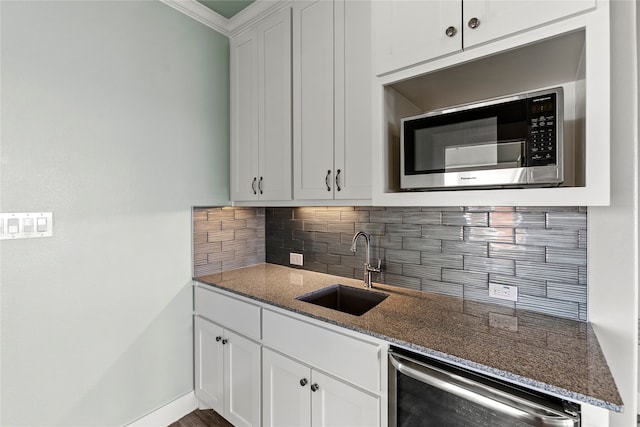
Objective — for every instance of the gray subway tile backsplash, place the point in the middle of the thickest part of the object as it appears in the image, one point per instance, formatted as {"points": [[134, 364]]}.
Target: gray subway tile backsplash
{"points": [[454, 251], [227, 238]]}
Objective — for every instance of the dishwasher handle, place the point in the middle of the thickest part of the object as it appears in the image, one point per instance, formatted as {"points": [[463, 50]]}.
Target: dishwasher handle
{"points": [[482, 394]]}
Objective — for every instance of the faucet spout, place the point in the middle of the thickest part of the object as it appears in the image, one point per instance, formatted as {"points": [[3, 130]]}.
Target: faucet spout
{"points": [[367, 240], [368, 268]]}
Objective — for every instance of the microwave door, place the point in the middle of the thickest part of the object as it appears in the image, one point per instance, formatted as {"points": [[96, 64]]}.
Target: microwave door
{"points": [[465, 157], [493, 155], [456, 145]]}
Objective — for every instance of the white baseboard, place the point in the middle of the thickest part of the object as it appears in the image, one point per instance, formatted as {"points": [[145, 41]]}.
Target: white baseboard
{"points": [[168, 413]]}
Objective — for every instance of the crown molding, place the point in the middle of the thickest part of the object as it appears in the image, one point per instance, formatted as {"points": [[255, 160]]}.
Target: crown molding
{"points": [[201, 13], [254, 12], [228, 27]]}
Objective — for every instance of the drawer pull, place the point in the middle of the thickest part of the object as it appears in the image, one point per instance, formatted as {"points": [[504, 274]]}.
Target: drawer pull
{"points": [[218, 339], [303, 382], [314, 387], [224, 342]]}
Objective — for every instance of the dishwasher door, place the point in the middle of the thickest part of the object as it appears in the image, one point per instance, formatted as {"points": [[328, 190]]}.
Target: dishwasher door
{"points": [[425, 392]]}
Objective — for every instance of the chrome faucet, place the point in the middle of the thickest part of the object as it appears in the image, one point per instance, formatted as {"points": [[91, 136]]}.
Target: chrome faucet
{"points": [[368, 268]]}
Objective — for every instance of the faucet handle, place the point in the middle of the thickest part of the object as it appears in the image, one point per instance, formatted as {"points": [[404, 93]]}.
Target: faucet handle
{"points": [[374, 269]]}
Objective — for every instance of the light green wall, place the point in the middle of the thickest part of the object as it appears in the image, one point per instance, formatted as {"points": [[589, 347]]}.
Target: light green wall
{"points": [[115, 117]]}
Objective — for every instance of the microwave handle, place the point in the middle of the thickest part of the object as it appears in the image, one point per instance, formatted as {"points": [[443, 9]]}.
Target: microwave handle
{"points": [[481, 394]]}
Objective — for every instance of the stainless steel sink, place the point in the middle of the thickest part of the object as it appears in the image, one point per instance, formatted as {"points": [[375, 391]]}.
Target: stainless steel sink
{"points": [[343, 298]]}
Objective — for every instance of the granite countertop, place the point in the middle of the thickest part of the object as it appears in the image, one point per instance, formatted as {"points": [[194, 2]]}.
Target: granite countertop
{"points": [[555, 355]]}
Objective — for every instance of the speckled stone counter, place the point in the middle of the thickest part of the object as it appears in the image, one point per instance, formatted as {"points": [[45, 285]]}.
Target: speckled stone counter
{"points": [[559, 356]]}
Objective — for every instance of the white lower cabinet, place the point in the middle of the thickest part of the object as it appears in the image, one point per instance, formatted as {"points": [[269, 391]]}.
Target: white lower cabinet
{"points": [[258, 366], [295, 394], [227, 373]]}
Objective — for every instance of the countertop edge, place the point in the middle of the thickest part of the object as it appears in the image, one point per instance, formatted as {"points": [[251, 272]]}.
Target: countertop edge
{"points": [[487, 370]]}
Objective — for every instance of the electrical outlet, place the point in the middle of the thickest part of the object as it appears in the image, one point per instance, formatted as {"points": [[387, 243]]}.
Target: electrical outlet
{"points": [[497, 290], [503, 321], [295, 259]]}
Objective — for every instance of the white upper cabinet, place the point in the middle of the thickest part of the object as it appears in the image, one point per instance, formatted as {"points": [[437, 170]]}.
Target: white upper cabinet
{"points": [[488, 20], [411, 32], [332, 100], [353, 129], [313, 116], [244, 115], [261, 110]]}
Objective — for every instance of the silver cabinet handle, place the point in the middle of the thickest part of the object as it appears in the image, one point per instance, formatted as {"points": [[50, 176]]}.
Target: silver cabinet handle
{"points": [[303, 382], [253, 185], [473, 23], [326, 180], [260, 185], [338, 180], [314, 387], [450, 31]]}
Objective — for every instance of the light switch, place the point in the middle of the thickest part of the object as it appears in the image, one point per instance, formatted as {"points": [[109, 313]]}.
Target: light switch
{"points": [[13, 225], [27, 225]]}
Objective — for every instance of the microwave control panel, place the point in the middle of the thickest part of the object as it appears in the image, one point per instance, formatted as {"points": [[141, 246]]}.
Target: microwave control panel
{"points": [[543, 142]]}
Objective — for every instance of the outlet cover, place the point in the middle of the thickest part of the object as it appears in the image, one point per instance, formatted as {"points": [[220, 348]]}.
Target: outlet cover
{"points": [[295, 259], [497, 290]]}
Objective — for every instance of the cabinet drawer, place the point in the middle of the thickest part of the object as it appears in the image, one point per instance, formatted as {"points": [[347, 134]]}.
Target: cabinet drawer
{"points": [[231, 313], [349, 358]]}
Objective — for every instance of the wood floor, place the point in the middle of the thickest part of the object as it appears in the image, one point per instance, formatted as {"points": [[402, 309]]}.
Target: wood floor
{"points": [[205, 418]]}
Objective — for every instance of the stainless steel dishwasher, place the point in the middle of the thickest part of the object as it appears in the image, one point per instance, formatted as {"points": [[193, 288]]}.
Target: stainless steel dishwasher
{"points": [[426, 392]]}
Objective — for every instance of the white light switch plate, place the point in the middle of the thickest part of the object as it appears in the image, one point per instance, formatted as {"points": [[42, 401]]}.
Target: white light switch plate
{"points": [[295, 259], [26, 225]]}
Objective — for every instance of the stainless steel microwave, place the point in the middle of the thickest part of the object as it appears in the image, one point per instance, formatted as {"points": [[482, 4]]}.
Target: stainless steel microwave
{"points": [[512, 141]]}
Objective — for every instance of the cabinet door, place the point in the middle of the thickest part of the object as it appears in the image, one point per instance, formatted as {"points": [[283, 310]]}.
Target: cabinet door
{"points": [[244, 116], [335, 403], [274, 60], [313, 89], [353, 112], [242, 380], [408, 32], [209, 374], [285, 391], [502, 18]]}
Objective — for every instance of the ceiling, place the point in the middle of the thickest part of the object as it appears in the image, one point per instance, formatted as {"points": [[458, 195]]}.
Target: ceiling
{"points": [[226, 8]]}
